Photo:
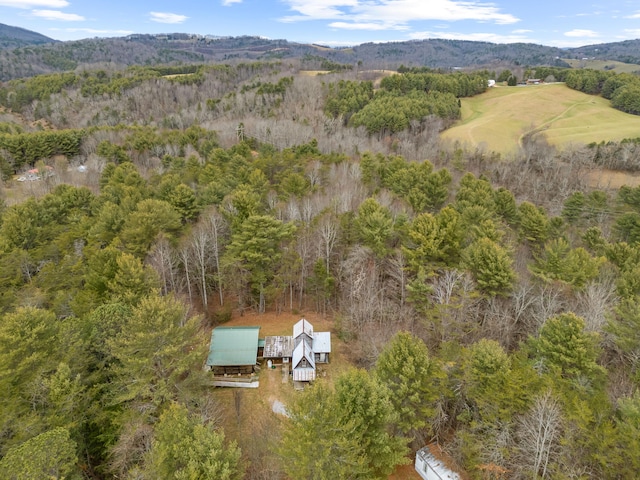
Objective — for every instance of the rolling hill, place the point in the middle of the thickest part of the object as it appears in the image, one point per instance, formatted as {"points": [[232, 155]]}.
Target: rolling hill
{"points": [[19, 37], [500, 117], [40, 54]]}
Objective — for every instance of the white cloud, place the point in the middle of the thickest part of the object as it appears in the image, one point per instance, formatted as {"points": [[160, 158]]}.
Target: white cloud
{"points": [[57, 15], [34, 3], [93, 31], [521, 31], [228, 3], [164, 17], [475, 37], [635, 15], [366, 26], [632, 33], [396, 13], [581, 33]]}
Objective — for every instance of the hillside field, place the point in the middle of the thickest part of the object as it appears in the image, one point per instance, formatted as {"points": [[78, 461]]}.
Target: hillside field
{"points": [[618, 67], [500, 117]]}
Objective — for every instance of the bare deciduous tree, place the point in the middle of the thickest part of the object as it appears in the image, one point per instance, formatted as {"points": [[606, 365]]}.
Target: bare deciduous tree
{"points": [[162, 259], [538, 435]]}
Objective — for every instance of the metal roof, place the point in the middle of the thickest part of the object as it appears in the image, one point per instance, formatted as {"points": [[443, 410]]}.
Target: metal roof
{"points": [[278, 346], [303, 326], [303, 350], [322, 342], [231, 346]]}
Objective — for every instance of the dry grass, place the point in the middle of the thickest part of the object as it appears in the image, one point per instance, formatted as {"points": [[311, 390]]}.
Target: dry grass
{"points": [[610, 179], [499, 118], [618, 67], [313, 73]]}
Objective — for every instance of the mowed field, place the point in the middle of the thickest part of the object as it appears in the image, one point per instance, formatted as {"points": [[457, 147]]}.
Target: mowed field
{"points": [[614, 66], [501, 116]]}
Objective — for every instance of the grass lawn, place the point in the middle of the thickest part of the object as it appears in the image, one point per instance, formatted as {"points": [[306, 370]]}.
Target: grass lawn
{"points": [[499, 118]]}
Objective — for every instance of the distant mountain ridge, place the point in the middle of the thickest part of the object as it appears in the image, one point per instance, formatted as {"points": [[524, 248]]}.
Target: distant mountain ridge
{"points": [[176, 48], [11, 37]]}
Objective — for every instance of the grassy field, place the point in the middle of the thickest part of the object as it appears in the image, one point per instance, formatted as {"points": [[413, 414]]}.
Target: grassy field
{"points": [[618, 67], [501, 116]]}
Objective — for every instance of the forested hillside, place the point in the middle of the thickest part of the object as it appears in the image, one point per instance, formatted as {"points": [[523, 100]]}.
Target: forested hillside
{"points": [[179, 48], [489, 304], [11, 37]]}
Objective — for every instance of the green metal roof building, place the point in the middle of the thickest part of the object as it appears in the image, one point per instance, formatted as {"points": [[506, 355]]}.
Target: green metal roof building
{"points": [[233, 350]]}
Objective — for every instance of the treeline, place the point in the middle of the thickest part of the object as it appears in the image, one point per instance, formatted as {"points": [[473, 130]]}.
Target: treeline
{"points": [[457, 84], [18, 94], [19, 150], [401, 100], [622, 89]]}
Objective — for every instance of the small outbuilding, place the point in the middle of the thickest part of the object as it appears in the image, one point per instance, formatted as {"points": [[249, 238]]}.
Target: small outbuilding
{"points": [[233, 350], [278, 348], [321, 346], [430, 468]]}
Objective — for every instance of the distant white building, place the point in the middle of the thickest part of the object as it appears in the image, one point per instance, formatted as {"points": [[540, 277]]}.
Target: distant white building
{"points": [[430, 468], [491, 83]]}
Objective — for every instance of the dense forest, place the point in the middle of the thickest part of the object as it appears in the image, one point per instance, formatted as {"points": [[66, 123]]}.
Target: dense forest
{"points": [[490, 304]]}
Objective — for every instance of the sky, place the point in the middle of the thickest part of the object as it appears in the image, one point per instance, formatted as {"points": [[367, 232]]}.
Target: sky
{"points": [[559, 23]]}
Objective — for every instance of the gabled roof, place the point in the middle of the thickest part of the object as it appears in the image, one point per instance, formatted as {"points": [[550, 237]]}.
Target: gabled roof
{"points": [[232, 346], [303, 350], [303, 326], [278, 347], [322, 342]]}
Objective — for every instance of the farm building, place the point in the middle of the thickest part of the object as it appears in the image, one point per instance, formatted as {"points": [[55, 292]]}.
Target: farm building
{"points": [[430, 468], [233, 350], [278, 349], [303, 350], [322, 346]]}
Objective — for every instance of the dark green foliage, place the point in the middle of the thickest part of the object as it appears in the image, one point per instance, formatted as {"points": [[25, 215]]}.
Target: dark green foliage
{"points": [[50, 455], [185, 447], [374, 226], [342, 434], [28, 148], [491, 266], [627, 98], [391, 112], [563, 347], [559, 261], [406, 369], [623, 90], [587, 80], [458, 84], [345, 98]]}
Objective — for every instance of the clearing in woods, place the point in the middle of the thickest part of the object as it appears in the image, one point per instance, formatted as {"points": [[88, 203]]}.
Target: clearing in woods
{"points": [[244, 411], [500, 117]]}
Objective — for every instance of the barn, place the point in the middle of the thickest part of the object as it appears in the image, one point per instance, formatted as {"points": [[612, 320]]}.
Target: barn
{"points": [[233, 350]]}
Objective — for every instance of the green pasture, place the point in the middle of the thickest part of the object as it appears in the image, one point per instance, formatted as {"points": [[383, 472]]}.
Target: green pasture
{"points": [[614, 66], [501, 116]]}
